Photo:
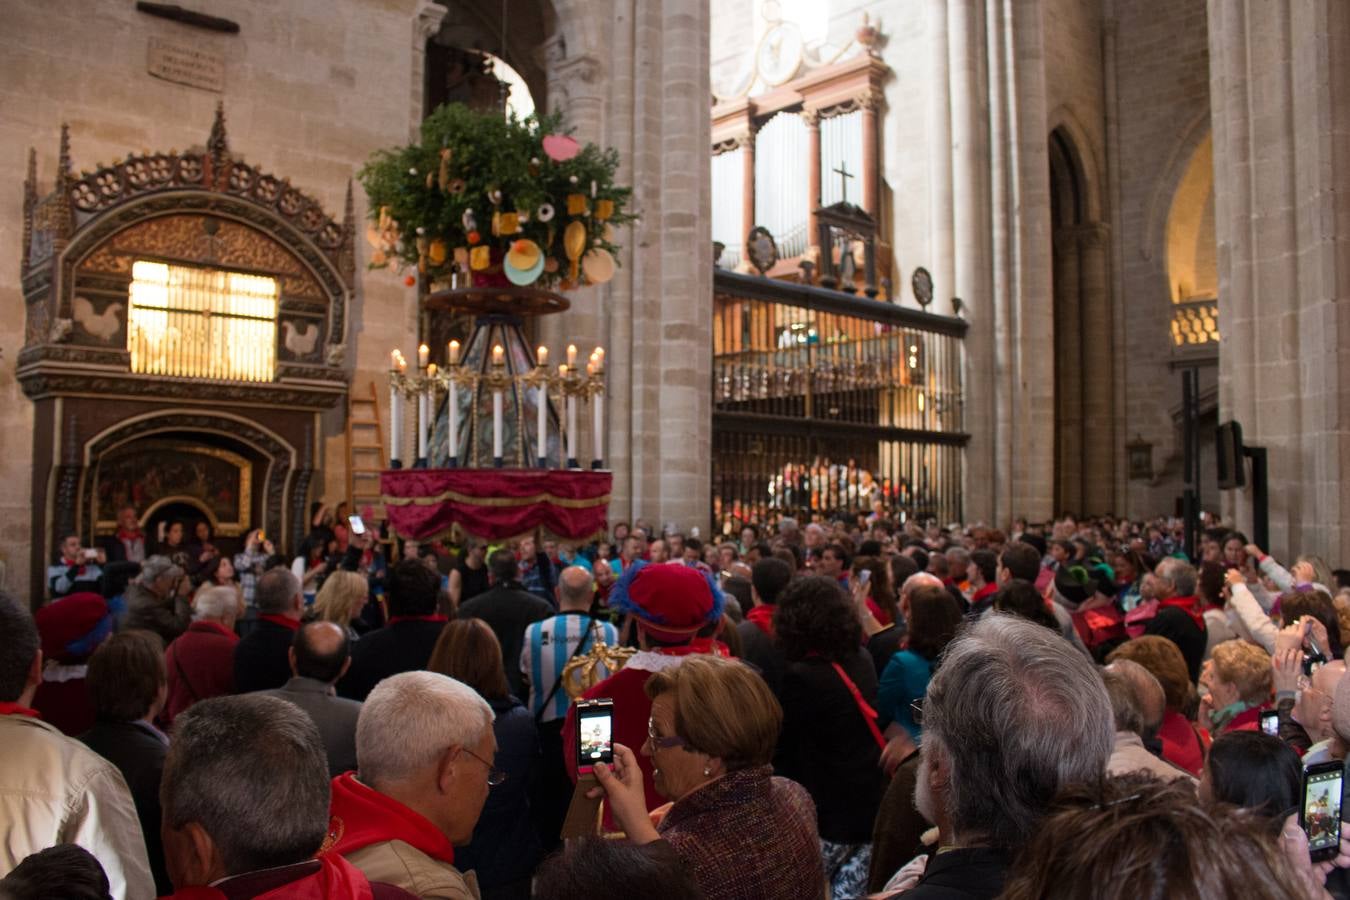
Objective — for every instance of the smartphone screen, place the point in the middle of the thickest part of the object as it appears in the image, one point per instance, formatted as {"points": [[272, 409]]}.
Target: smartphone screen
{"points": [[864, 576], [358, 527], [1270, 722], [1320, 813], [595, 734]]}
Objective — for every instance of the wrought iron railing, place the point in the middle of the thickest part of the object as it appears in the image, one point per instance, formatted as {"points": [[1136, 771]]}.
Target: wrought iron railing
{"points": [[830, 404]]}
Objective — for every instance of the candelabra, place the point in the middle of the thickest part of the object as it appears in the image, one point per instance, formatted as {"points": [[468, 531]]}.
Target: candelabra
{"points": [[570, 383]]}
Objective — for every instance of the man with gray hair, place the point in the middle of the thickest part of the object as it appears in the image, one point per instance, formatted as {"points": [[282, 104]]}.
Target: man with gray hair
{"points": [[1012, 716], [1137, 704], [200, 662], [157, 600], [424, 747], [245, 798], [1172, 610], [261, 659]]}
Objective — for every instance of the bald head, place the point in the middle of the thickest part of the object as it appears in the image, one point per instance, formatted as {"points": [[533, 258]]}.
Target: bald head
{"points": [[576, 589], [1137, 699], [918, 580], [320, 651]]}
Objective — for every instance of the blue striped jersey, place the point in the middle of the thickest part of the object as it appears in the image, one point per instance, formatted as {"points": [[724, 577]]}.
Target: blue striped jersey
{"points": [[548, 646]]}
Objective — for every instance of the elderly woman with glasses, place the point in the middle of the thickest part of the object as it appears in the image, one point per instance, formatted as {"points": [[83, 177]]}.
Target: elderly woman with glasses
{"points": [[711, 739]]}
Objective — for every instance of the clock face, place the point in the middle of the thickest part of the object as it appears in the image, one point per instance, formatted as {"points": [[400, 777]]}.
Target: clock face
{"points": [[779, 54]]}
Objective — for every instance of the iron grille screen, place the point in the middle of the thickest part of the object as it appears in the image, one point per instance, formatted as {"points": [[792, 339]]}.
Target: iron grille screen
{"points": [[202, 323]]}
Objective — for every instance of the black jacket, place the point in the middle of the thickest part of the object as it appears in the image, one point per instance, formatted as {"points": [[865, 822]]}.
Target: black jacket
{"points": [[138, 753], [758, 649], [827, 747], [400, 647], [505, 849], [971, 873], [508, 610], [260, 658]]}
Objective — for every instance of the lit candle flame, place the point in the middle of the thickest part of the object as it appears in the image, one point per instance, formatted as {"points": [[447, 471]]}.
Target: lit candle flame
{"points": [[542, 356], [423, 356], [498, 355], [453, 350], [571, 355]]}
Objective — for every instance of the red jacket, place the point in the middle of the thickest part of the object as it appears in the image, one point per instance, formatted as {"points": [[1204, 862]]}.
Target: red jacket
{"points": [[200, 664]]}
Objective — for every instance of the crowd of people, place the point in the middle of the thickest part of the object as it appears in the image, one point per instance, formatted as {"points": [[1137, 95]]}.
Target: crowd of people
{"points": [[843, 709]]}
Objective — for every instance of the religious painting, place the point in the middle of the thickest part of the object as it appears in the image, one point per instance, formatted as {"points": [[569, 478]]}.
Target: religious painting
{"points": [[150, 474]]}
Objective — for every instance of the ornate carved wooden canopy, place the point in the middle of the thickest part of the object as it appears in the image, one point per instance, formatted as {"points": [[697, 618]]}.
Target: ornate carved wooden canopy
{"points": [[201, 208]]}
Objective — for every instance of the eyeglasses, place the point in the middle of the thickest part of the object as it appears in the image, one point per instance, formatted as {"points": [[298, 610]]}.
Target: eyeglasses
{"points": [[495, 775], [662, 743], [916, 710]]}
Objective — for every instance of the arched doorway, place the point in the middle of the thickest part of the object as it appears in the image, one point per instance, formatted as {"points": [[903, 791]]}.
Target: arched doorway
{"points": [[1083, 338]]}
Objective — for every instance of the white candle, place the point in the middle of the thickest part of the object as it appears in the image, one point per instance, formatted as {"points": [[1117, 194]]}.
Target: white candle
{"points": [[496, 425], [393, 417], [423, 356], [498, 355], [598, 425], [422, 416], [571, 428], [543, 420], [571, 355], [452, 353], [452, 401], [541, 356]]}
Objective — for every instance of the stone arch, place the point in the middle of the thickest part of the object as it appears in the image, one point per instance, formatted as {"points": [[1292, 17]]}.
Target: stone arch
{"points": [[1189, 240], [1085, 444]]}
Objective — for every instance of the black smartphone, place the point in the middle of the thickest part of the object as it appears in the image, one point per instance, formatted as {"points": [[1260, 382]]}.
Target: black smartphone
{"points": [[1320, 810], [595, 733], [1270, 722]]}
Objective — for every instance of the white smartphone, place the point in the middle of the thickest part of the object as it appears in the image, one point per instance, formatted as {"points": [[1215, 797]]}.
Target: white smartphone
{"points": [[358, 527]]}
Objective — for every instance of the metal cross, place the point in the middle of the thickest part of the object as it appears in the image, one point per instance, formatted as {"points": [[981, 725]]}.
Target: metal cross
{"points": [[844, 176]]}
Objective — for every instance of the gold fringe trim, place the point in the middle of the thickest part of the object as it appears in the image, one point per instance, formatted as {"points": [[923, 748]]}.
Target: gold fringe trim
{"points": [[457, 497]]}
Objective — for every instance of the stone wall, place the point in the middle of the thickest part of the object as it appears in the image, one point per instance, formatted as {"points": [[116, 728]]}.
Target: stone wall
{"points": [[1281, 178], [1161, 63], [309, 91]]}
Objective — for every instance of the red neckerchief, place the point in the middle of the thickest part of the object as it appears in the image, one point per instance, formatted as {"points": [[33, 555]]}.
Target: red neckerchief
{"points": [[1187, 605], [336, 879], [982, 593], [283, 621], [14, 709], [128, 537], [762, 616], [697, 645], [434, 617], [361, 816]]}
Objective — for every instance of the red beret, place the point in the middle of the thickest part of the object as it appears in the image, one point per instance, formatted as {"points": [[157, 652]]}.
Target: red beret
{"points": [[69, 621], [672, 601]]}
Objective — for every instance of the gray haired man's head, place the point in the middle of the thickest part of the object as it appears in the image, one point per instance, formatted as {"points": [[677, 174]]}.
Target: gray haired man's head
{"points": [[1017, 714], [1137, 699], [1179, 574], [250, 771]]}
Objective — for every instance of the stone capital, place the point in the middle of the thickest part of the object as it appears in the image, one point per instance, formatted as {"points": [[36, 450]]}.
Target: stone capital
{"points": [[427, 21]]}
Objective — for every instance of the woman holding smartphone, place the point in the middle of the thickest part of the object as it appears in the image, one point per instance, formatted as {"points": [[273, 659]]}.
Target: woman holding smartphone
{"points": [[711, 741]]}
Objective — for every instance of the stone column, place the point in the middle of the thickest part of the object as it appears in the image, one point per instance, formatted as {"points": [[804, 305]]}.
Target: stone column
{"points": [[1281, 183], [940, 222], [1068, 369], [1096, 367]]}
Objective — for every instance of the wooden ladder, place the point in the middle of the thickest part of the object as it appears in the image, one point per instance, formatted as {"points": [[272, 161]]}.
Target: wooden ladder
{"points": [[365, 452]]}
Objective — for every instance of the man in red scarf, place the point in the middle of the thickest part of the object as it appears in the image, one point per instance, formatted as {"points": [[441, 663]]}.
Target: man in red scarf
{"points": [[678, 611], [54, 789], [128, 544], [245, 797], [424, 749]]}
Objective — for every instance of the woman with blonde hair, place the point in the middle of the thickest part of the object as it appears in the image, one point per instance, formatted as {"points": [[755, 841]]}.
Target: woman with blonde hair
{"points": [[340, 601]]}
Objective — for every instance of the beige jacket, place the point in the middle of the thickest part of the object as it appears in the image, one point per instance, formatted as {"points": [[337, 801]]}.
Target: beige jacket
{"points": [[1130, 755], [55, 790], [402, 865]]}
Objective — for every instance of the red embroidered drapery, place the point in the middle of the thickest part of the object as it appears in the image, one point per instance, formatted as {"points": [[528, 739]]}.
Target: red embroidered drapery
{"points": [[496, 504]]}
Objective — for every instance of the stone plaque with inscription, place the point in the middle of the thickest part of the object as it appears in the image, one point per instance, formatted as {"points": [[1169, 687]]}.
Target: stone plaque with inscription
{"points": [[185, 62]]}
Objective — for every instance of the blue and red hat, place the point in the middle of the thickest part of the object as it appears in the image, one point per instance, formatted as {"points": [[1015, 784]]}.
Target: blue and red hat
{"points": [[671, 601]]}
